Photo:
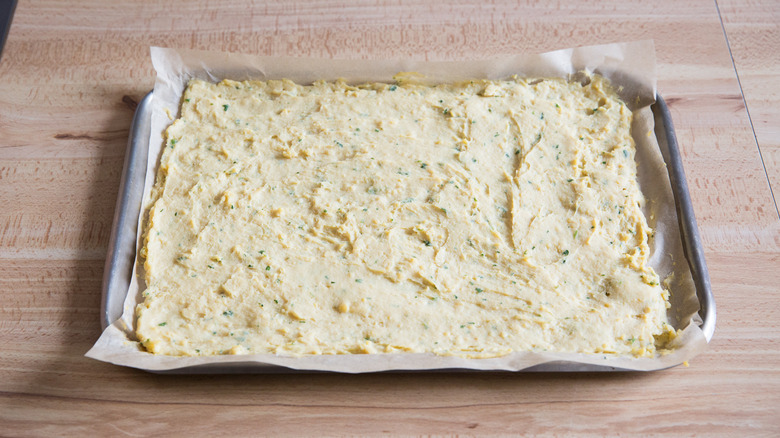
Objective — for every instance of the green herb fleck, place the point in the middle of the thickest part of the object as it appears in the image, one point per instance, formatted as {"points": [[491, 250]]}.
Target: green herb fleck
{"points": [[227, 313], [268, 268], [225, 107], [162, 324]]}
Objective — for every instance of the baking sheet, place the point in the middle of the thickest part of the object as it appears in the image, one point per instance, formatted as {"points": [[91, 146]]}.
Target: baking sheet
{"points": [[631, 66]]}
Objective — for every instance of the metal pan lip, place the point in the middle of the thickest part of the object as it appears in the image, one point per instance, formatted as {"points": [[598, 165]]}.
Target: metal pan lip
{"points": [[120, 255], [121, 250], [689, 231]]}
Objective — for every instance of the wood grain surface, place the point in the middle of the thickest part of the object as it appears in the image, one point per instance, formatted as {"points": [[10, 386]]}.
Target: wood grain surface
{"points": [[72, 73]]}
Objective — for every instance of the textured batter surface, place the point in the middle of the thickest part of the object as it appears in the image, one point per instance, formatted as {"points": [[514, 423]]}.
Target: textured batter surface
{"points": [[472, 219]]}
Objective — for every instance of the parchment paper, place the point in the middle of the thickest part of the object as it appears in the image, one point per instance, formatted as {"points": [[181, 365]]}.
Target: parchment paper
{"points": [[630, 67]]}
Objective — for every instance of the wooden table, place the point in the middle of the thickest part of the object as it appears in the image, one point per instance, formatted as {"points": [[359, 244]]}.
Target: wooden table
{"points": [[70, 78]]}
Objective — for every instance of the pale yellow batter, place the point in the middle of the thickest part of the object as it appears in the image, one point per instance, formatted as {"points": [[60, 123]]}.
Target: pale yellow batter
{"points": [[473, 219]]}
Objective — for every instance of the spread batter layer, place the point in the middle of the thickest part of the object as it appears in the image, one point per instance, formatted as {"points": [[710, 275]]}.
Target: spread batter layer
{"points": [[470, 219]]}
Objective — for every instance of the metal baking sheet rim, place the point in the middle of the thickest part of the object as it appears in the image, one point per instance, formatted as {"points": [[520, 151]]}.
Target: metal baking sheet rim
{"points": [[121, 250]]}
